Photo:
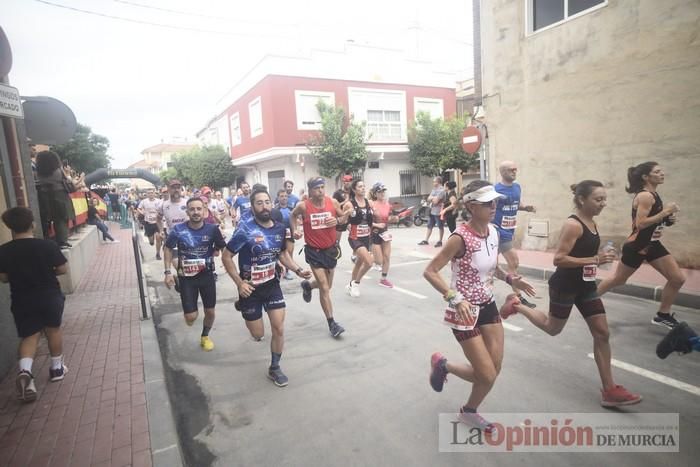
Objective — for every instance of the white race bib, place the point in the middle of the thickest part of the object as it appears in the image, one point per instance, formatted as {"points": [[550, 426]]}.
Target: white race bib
{"points": [[658, 231], [363, 230], [318, 220], [508, 222], [452, 320], [589, 272], [386, 236], [192, 267], [260, 274], [151, 217]]}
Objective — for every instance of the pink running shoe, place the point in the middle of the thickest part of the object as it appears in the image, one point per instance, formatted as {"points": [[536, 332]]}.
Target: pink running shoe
{"points": [[508, 307], [618, 396], [475, 420], [386, 283], [438, 372]]}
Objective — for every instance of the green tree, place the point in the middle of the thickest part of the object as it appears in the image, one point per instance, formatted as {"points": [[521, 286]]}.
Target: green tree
{"points": [[435, 145], [86, 151], [340, 145], [208, 165]]}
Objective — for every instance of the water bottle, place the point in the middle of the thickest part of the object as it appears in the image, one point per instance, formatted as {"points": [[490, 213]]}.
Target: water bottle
{"points": [[608, 248]]}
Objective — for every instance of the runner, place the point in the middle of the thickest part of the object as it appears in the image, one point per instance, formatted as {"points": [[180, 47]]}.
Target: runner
{"points": [[320, 217], [260, 241], [218, 206], [360, 222], [149, 209], [282, 206], [449, 211], [241, 204], [436, 201], [174, 211], [195, 242], [573, 283], [381, 237], [506, 216], [649, 216], [471, 310], [292, 199], [341, 195]]}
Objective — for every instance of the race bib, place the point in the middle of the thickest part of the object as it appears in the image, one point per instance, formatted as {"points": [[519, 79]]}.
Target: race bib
{"points": [[363, 230], [260, 274], [658, 231], [452, 320], [318, 220], [508, 222], [386, 236], [192, 267], [151, 217], [589, 272]]}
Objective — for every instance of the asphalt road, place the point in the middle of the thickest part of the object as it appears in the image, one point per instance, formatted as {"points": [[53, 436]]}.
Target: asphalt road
{"points": [[364, 399]]}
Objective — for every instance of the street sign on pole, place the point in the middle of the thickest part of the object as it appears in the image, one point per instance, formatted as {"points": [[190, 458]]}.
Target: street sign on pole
{"points": [[10, 102], [471, 139]]}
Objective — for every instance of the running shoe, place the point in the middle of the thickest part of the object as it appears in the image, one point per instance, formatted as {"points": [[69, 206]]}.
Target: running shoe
{"points": [[289, 275], [377, 267], [206, 344], [423, 242], [158, 256], [508, 307], [26, 390], [353, 258], [438, 371], [525, 302], [58, 374], [474, 420], [353, 289], [277, 377], [438, 244], [306, 291], [678, 339], [386, 283], [618, 396], [336, 329], [665, 319]]}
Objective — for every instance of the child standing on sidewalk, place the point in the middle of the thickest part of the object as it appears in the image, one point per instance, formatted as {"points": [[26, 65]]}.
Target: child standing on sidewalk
{"points": [[30, 265]]}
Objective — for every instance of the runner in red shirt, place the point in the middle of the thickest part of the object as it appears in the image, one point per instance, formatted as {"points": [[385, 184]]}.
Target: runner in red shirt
{"points": [[320, 215]]}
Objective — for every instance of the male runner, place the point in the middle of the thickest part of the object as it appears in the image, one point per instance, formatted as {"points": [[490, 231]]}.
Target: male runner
{"points": [[195, 242], [436, 200], [149, 209], [242, 203], [341, 196], [260, 241], [320, 218], [292, 199], [505, 221]]}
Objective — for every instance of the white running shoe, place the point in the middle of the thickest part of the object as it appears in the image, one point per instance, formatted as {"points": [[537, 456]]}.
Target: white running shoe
{"points": [[353, 289]]}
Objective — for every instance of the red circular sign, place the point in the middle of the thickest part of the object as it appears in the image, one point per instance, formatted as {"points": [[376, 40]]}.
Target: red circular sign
{"points": [[5, 54], [471, 139]]}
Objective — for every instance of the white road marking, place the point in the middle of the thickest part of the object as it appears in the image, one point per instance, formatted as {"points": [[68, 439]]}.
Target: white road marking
{"points": [[418, 254], [655, 376], [408, 292], [511, 327], [409, 263]]}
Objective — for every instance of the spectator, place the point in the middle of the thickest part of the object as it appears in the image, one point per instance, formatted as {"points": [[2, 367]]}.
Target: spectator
{"points": [[114, 204], [53, 186], [30, 265], [94, 219]]}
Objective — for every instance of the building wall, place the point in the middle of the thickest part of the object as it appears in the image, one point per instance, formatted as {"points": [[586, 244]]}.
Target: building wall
{"points": [[589, 98]]}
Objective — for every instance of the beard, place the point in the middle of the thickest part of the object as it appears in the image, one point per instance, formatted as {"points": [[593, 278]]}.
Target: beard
{"points": [[263, 216]]}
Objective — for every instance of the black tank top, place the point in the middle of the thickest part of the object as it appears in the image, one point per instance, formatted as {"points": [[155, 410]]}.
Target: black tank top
{"points": [[640, 238], [360, 215], [586, 246]]}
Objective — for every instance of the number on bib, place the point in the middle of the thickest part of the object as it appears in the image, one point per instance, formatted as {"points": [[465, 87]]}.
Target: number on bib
{"points": [[589, 272], [452, 320], [260, 274], [318, 220], [658, 231], [508, 222], [386, 236], [363, 230], [192, 267]]}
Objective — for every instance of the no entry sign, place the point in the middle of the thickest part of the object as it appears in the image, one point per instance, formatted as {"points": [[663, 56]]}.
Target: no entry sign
{"points": [[471, 139]]}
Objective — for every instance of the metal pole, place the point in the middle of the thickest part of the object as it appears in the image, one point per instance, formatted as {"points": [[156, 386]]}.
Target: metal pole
{"points": [[139, 272]]}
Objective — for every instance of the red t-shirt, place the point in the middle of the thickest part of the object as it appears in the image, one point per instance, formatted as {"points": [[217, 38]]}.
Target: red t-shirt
{"points": [[316, 233]]}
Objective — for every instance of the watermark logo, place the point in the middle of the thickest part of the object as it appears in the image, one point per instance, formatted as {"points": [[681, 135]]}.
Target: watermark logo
{"points": [[562, 432]]}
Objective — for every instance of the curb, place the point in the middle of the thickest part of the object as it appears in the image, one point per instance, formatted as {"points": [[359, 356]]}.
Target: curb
{"points": [[165, 445], [647, 292]]}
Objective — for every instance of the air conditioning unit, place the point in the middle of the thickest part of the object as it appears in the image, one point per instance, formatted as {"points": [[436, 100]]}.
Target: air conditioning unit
{"points": [[538, 228]]}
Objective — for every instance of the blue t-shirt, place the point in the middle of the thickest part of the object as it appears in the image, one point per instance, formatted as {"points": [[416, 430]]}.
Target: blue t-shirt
{"points": [[258, 249], [243, 204], [195, 247], [507, 210], [292, 200]]}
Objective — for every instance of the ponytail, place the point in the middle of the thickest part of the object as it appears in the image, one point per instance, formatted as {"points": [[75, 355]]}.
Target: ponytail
{"points": [[634, 176], [584, 189]]}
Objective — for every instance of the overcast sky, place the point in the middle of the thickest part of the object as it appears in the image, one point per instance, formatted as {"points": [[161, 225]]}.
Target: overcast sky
{"points": [[139, 83]]}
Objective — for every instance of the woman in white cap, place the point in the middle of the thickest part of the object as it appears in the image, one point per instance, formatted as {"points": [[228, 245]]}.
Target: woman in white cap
{"points": [[381, 237], [471, 310]]}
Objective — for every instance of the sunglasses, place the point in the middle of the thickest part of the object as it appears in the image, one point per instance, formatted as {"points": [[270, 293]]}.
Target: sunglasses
{"points": [[484, 203]]}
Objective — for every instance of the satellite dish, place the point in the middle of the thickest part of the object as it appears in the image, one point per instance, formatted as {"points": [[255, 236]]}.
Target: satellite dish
{"points": [[48, 120], [5, 55]]}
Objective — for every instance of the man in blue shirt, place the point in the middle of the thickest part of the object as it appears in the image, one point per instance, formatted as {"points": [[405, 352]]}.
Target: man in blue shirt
{"points": [[196, 243], [242, 203], [260, 241], [292, 199], [505, 219]]}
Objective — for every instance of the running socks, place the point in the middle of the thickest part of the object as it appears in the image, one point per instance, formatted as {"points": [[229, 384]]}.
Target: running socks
{"points": [[466, 409], [384, 274], [330, 321], [25, 364], [275, 363], [57, 362], [205, 330]]}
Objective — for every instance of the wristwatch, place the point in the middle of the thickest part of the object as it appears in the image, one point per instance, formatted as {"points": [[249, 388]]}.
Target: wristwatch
{"points": [[299, 270], [167, 271]]}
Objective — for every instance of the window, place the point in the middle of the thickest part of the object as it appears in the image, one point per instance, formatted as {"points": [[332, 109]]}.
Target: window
{"points": [[384, 112], [432, 107], [543, 13], [255, 117], [236, 129], [410, 182], [373, 164], [308, 117]]}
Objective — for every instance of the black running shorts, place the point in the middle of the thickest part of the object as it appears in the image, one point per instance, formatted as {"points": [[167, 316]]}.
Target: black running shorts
{"points": [[359, 243], [488, 314], [322, 259], [39, 311], [150, 229], [586, 300], [191, 288], [634, 259], [267, 296]]}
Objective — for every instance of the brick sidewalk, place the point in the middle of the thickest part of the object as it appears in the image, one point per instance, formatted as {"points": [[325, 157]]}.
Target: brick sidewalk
{"points": [[97, 415]]}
